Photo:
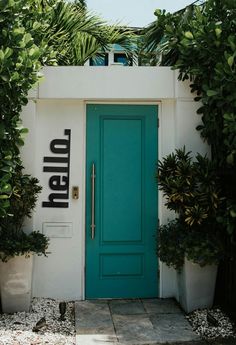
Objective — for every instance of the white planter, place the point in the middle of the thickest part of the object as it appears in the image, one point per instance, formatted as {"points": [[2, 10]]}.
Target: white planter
{"points": [[196, 286], [15, 284]]}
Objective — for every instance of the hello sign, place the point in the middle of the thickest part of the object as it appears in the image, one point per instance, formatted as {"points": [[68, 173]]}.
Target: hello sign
{"points": [[58, 165]]}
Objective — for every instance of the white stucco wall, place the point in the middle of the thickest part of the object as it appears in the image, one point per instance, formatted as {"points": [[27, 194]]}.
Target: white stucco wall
{"points": [[108, 83], [59, 103]]}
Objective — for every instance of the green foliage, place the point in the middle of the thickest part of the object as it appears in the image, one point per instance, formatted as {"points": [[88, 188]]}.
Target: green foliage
{"points": [[75, 34], [22, 202], [170, 248], [36, 33], [176, 241], [191, 189], [200, 42], [203, 247], [21, 49], [19, 68], [13, 241], [23, 244]]}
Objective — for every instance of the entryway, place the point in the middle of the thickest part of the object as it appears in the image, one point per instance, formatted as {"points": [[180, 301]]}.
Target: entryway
{"points": [[121, 201], [131, 322]]}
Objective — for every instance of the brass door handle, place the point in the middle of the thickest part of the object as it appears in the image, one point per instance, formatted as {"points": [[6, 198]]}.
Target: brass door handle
{"points": [[92, 226]]}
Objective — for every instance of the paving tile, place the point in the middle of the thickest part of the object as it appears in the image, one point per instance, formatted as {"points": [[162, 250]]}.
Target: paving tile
{"points": [[170, 320], [161, 306], [95, 339], [126, 307], [173, 328], [132, 322], [135, 329], [93, 317]]}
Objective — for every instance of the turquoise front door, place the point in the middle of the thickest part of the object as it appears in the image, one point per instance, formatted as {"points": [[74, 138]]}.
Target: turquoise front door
{"points": [[121, 201]]}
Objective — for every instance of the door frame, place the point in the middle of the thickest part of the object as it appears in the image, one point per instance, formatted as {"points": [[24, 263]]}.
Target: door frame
{"points": [[157, 103]]}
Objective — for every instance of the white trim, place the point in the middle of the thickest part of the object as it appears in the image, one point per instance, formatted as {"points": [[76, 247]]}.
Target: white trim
{"points": [[160, 266], [84, 203], [132, 102]]}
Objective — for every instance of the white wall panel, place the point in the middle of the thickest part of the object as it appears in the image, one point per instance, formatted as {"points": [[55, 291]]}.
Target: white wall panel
{"points": [[107, 83], [61, 274], [186, 123]]}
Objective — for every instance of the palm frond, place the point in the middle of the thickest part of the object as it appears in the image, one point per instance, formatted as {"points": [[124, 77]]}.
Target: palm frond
{"points": [[76, 34]]}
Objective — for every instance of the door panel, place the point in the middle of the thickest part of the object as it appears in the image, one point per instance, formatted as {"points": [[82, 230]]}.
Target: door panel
{"points": [[122, 143], [121, 171]]}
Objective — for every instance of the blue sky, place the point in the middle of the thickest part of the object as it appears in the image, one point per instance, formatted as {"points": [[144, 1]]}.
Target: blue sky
{"points": [[133, 12]]}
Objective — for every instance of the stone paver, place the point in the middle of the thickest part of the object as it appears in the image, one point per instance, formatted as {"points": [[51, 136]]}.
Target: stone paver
{"points": [[126, 307], [93, 317], [131, 322], [173, 327], [161, 306], [135, 329]]}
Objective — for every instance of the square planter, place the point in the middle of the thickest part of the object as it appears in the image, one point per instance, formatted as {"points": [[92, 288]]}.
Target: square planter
{"points": [[196, 286], [15, 284]]}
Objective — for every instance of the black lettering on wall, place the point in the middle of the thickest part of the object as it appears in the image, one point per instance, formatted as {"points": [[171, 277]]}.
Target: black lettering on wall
{"points": [[60, 181]]}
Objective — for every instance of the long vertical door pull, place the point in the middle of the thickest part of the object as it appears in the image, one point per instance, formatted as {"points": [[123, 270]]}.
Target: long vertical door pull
{"points": [[93, 176]]}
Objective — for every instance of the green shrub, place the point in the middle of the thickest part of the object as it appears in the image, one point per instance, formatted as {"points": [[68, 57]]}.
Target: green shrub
{"points": [[200, 42], [190, 187], [191, 190], [13, 241], [175, 242], [22, 244], [170, 247]]}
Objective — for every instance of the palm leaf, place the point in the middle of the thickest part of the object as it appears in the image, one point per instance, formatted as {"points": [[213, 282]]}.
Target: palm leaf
{"points": [[76, 34]]}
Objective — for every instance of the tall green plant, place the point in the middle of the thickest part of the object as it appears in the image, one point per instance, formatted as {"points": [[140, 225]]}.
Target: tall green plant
{"points": [[19, 71], [191, 190], [200, 42], [21, 50]]}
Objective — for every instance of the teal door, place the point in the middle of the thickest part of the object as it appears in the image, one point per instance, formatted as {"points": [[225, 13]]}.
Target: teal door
{"points": [[121, 196]]}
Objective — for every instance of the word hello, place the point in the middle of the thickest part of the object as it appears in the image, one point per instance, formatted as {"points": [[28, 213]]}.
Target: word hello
{"points": [[60, 164]]}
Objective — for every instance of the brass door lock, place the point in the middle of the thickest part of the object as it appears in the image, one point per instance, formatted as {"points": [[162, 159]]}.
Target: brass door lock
{"points": [[75, 192]]}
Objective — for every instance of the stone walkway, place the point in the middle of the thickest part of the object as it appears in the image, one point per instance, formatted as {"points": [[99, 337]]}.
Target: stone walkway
{"points": [[131, 322]]}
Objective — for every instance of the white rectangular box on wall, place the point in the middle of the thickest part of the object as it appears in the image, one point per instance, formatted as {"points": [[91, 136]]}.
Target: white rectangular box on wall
{"points": [[55, 152]]}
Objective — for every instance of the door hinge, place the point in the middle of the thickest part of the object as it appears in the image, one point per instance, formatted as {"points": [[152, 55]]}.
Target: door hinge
{"points": [[158, 123]]}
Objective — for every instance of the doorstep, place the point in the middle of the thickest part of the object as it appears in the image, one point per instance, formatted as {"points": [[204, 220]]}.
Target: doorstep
{"points": [[131, 322]]}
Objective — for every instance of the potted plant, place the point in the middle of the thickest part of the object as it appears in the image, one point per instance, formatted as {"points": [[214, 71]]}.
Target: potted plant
{"points": [[191, 243], [17, 247]]}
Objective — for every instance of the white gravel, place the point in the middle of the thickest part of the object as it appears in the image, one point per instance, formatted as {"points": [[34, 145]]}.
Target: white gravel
{"points": [[17, 329], [203, 327]]}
